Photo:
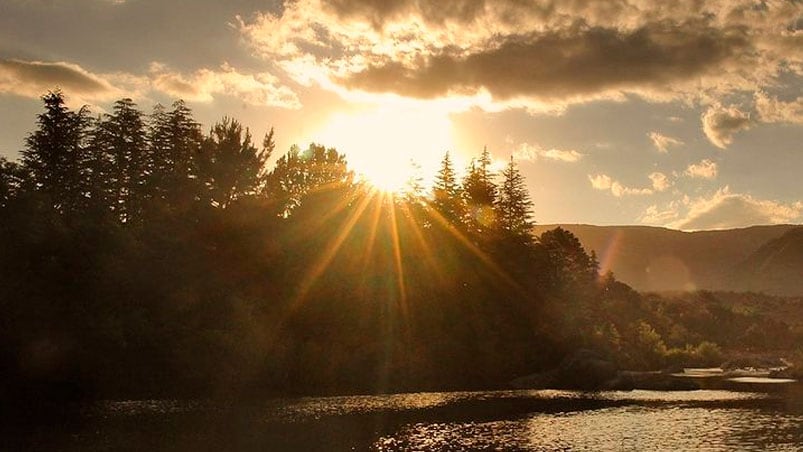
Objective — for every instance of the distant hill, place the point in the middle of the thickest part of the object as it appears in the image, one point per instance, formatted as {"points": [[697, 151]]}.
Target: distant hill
{"points": [[776, 267], [660, 259]]}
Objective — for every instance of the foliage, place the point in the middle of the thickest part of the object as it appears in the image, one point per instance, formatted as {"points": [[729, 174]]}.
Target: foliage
{"points": [[142, 258]]}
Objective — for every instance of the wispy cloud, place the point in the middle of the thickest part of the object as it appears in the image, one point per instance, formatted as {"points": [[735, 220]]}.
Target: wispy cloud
{"points": [[532, 152], [604, 182], [204, 84], [663, 142], [771, 109], [705, 169]]}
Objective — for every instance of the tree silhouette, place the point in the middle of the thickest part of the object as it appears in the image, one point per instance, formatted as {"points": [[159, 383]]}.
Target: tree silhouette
{"points": [[447, 194], [11, 181], [55, 154], [119, 161], [175, 141], [299, 173], [480, 193], [513, 206], [230, 166]]}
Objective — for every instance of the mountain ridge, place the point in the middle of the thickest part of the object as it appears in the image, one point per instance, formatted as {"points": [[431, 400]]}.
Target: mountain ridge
{"points": [[651, 258]]}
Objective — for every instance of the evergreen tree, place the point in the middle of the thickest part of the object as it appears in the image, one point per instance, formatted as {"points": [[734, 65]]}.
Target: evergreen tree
{"points": [[120, 164], [175, 141], [11, 181], [446, 192], [231, 166], [514, 209], [55, 154], [480, 193]]}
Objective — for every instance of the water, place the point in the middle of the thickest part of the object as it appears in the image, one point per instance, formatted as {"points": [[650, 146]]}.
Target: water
{"points": [[502, 420]]}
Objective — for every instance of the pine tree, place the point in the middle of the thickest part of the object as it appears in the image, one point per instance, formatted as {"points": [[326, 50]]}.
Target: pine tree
{"points": [[120, 162], [447, 194], [513, 206], [175, 142], [480, 193], [55, 154]]}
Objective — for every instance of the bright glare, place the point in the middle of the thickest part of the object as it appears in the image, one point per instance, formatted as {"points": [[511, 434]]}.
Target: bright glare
{"points": [[381, 143]]}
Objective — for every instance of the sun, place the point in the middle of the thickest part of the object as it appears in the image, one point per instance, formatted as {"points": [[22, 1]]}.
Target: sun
{"points": [[384, 144]]}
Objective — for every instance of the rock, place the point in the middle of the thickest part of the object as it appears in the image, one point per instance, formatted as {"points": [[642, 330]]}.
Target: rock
{"points": [[583, 369]]}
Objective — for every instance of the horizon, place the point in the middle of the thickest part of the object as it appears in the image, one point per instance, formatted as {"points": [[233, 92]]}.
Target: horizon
{"points": [[685, 116]]}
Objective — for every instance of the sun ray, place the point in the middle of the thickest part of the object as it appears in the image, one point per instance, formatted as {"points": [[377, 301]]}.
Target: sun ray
{"points": [[397, 255], [484, 258], [329, 253]]}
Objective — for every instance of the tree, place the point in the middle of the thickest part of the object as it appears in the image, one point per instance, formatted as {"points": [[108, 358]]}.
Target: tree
{"points": [[175, 142], [11, 181], [446, 192], [119, 162], [231, 167], [514, 209], [299, 173], [55, 154], [569, 258], [480, 193]]}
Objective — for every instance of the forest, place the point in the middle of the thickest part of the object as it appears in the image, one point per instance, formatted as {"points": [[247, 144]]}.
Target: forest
{"points": [[143, 256]]}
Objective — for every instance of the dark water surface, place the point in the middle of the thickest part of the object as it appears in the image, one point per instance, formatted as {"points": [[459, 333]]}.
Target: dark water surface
{"points": [[499, 420]]}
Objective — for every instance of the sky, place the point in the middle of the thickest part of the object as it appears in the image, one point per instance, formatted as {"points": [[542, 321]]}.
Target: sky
{"points": [[685, 114]]}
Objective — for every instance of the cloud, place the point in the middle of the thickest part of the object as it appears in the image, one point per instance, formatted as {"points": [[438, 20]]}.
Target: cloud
{"points": [[725, 209], [771, 109], [603, 182], [721, 123], [654, 215], [663, 142], [705, 169], [659, 181], [204, 84], [530, 153], [34, 78], [530, 53], [562, 66]]}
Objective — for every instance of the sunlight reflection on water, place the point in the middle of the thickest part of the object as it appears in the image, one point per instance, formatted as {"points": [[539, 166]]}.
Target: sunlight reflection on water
{"points": [[534, 420], [624, 428]]}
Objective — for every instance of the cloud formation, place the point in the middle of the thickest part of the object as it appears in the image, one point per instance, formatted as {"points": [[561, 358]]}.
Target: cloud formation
{"points": [[531, 52], [705, 169], [660, 182], [531, 153], [725, 209], [722, 210], [721, 123], [204, 84], [603, 182], [771, 109], [663, 142], [34, 78]]}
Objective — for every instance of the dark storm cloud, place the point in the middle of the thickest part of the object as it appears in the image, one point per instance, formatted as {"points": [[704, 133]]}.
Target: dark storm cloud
{"points": [[567, 64]]}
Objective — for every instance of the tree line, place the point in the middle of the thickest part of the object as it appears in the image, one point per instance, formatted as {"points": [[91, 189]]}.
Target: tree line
{"points": [[144, 257]]}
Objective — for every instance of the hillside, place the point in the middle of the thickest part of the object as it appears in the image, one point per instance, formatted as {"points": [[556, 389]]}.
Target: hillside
{"points": [[659, 259], [776, 267]]}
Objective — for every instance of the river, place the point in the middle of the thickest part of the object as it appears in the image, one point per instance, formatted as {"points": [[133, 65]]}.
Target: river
{"points": [[546, 420]]}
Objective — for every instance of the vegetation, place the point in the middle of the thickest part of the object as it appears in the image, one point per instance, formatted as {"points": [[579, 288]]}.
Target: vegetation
{"points": [[143, 257]]}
